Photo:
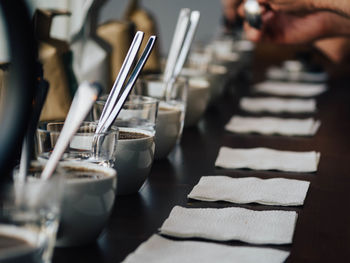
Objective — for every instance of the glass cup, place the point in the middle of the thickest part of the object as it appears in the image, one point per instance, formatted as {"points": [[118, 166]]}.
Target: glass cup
{"points": [[135, 151], [81, 146], [88, 197], [88, 200], [171, 111], [29, 218]]}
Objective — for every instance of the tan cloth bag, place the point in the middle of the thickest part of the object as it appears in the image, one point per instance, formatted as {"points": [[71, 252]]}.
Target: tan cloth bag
{"points": [[3, 81], [144, 21], [51, 52], [119, 35]]}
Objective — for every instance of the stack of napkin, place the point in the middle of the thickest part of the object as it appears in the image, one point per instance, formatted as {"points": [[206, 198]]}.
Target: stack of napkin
{"points": [[268, 159], [233, 223], [276, 105], [290, 88], [159, 249], [271, 125], [276, 191]]}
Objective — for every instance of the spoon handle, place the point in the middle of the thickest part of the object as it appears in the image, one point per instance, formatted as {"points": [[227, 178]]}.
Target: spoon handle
{"points": [[177, 42], [119, 81], [129, 85], [194, 20], [85, 97]]}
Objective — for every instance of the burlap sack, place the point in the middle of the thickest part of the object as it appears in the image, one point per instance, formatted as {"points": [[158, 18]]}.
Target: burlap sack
{"points": [[51, 53], [119, 35], [144, 21]]}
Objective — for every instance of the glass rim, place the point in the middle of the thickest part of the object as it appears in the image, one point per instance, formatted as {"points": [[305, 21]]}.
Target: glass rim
{"points": [[64, 166], [113, 129], [142, 100], [159, 78]]}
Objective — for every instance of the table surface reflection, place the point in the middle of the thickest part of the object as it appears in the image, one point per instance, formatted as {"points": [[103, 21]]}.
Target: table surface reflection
{"points": [[322, 232]]}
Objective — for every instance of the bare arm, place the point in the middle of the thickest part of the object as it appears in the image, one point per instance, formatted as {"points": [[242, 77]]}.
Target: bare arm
{"points": [[341, 7]]}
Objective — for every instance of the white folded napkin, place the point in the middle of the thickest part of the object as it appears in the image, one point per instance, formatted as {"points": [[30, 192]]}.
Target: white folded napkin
{"points": [[233, 223], [276, 191], [290, 88], [267, 159], [278, 73], [272, 125], [277, 105], [158, 249]]}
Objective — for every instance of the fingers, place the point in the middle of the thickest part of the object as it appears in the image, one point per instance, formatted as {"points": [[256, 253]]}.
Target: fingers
{"points": [[241, 9], [252, 33]]}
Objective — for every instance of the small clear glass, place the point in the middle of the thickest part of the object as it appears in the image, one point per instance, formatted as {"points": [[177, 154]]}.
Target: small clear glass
{"points": [[30, 213], [135, 151], [81, 147]]}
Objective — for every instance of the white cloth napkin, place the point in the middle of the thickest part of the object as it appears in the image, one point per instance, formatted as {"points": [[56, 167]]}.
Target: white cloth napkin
{"points": [[233, 223], [276, 191], [290, 88], [271, 125], [278, 73], [267, 159], [277, 105], [158, 249]]}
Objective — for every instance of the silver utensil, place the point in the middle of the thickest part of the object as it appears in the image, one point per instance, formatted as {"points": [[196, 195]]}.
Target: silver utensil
{"points": [[113, 113], [194, 20], [177, 43], [253, 12], [119, 81], [83, 100]]}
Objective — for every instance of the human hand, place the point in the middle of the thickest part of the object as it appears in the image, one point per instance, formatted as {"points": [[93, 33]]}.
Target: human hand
{"points": [[341, 7], [293, 6], [286, 28]]}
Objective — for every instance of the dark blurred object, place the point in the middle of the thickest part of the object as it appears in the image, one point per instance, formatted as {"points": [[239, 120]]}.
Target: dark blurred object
{"points": [[232, 23], [42, 89], [145, 22], [16, 107]]}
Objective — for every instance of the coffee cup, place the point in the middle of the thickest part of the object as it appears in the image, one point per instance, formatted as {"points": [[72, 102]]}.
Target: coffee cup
{"points": [[168, 128], [136, 146], [135, 154], [88, 199], [171, 112]]}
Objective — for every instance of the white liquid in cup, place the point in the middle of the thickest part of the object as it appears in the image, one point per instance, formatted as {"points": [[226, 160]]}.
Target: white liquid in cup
{"points": [[197, 100], [217, 79], [134, 159], [168, 128]]}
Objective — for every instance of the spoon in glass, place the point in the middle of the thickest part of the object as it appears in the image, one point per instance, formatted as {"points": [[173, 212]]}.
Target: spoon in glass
{"points": [[82, 103]]}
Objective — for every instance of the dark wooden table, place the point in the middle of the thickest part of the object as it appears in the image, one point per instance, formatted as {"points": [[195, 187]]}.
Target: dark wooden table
{"points": [[322, 232]]}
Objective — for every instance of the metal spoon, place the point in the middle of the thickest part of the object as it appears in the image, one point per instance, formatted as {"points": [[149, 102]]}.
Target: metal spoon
{"points": [[119, 81], [177, 43], [84, 98], [253, 13], [194, 20], [109, 118]]}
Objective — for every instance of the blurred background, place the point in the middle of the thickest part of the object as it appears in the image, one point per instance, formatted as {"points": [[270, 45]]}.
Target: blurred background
{"points": [[165, 13]]}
